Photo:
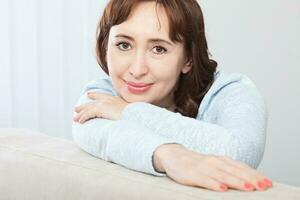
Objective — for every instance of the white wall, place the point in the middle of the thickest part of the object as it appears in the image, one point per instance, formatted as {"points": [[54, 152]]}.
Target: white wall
{"points": [[261, 40], [47, 55]]}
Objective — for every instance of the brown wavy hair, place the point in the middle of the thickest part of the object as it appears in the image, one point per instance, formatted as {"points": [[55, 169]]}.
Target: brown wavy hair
{"points": [[186, 25]]}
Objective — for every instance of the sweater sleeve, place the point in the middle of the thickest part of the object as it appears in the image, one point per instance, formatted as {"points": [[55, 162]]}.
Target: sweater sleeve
{"points": [[239, 116], [123, 142]]}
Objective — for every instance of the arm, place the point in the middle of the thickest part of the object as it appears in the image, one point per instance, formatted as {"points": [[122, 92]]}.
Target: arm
{"points": [[123, 142], [240, 119], [172, 158], [233, 124]]}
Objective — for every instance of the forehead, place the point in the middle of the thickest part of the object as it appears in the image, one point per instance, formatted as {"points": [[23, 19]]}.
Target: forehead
{"points": [[146, 20]]}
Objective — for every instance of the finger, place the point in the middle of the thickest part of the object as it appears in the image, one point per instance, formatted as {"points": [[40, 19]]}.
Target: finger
{"points": [[91, 96], [244, 174], [96, 95], [250, 174], [240, 165], [210, 183], [88, 114], [232, 181], [78, 108], [245, 166], [78, 116], [83, 106]]}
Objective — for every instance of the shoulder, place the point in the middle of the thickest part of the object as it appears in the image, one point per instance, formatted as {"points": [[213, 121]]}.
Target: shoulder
{"points": [[234, 84], [231, 89], [101, 84]]}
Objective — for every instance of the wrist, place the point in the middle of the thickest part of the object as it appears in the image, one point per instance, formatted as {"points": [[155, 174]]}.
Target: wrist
{"points": [[162, 153]]}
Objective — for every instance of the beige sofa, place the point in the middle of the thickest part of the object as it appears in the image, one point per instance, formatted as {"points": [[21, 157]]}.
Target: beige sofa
{"points": [[36, 166]]}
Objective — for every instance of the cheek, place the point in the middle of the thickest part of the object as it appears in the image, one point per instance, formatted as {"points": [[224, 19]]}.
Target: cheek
{"points": [[166, 71], [116, 63]]}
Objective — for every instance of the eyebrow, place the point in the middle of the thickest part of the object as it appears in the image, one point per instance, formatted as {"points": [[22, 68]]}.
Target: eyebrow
{"points": [[151, 39]]}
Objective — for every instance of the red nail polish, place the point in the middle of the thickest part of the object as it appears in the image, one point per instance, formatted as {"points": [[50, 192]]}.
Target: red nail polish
{"points": [[268, 182], [223, 187], [249, 186], [261, 185]]}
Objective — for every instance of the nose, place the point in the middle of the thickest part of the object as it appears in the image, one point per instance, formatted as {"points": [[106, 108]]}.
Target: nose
{"points": [[138, 67]]}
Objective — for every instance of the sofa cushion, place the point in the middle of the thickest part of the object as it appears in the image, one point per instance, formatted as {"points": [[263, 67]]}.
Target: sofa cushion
{"points": [[36, 166]]}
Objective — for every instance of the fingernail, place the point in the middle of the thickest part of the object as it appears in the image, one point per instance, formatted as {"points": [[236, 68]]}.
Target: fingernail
{"points": [[261, 185], [223, 187], [249, 186], [268, 182]]}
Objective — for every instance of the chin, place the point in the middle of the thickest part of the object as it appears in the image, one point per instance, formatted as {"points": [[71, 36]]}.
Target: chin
{"points": [[131, 98]]}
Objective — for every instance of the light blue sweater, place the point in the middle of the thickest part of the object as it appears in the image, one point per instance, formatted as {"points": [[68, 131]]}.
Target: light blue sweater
{"points": [[232, 121]]}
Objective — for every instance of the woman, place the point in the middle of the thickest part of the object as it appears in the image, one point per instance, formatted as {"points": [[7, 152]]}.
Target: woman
{"points": [[164, 109]]}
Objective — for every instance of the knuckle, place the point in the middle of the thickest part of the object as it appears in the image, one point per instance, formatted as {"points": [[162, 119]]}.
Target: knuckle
{"points": [[83, 117], [259, 174], [208, 183], [225, 157], [252, 173], [241, 164], [235, 171], [233, 181], [221, 176], [257, 177], [212, 160], [215, 185], [246, 176], [226, 178]]}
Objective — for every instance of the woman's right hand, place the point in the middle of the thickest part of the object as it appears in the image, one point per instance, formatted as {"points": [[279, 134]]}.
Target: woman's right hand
{"points": [[208, 171]]}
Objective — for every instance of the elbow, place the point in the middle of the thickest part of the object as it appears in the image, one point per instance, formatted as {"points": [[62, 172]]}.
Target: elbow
{"points": [[251, 147], [250, 153], [81, 140], [75, 133]]}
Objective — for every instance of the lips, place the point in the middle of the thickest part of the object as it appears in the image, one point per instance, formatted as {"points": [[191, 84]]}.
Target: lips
{"points": [[138, 88], [139, 84]]}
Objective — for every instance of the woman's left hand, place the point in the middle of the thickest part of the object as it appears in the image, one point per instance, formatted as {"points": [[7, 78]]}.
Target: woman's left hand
{"points": [[103, 106]]}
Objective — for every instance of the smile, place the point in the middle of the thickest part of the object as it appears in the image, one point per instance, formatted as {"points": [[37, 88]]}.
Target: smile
{"points": [[137, 88]]}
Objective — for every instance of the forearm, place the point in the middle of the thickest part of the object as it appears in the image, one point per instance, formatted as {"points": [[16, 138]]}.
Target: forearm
{"points": [[121, 142], [244, 143], [194, 134]]}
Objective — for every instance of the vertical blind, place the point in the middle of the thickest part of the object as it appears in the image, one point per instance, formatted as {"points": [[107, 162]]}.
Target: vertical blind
{"points": [[47, 56]]}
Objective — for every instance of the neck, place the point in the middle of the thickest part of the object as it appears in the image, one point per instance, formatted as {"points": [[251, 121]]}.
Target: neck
{"points": [[171, 107]]}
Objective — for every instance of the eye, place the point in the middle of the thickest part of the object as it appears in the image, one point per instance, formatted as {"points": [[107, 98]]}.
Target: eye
{"points": [[123, 46], [160, 50]]}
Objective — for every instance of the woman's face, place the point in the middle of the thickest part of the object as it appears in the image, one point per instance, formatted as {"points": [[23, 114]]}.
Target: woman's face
{"points": [[140, 52]]}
